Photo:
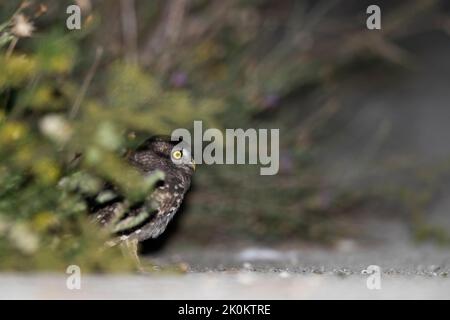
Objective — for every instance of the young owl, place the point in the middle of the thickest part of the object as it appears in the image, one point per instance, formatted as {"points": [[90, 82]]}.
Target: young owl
{"points": [[175, 161]]}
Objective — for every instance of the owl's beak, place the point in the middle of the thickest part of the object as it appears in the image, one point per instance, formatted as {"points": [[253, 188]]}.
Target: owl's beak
{"points": [[193, 164]]}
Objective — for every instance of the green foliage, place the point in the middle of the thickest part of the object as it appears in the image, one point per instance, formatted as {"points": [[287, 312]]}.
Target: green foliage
{"points": [[52, 154]]}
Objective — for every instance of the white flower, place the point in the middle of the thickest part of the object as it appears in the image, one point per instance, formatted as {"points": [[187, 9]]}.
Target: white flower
{"points": [[56, 128], [24, 239], [22, 27]]}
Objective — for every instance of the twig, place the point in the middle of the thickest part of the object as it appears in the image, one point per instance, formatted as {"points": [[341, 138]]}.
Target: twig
{"points": [[129, 30], [167, 32], [87, 81], [11, 47]]}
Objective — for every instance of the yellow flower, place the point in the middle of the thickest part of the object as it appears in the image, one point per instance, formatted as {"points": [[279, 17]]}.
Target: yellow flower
{"points": [[60, 63], [46, 171], [42, 96], [17, 68], [11, 132], [44, 220]]}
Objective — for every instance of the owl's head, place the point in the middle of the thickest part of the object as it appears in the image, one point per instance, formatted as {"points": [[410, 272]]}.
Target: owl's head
{"points": [[162, 151]]}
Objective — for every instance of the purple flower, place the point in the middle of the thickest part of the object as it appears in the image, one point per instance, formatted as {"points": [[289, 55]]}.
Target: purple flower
{"points": [[287, 163], [178, 79], [271, 101]]}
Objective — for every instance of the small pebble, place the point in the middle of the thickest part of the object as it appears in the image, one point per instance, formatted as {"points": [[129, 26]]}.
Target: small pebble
{"points": [[247, 265]]}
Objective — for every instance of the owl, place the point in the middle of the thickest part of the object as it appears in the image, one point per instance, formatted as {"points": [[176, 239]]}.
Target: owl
{"points": [[158, 153]]}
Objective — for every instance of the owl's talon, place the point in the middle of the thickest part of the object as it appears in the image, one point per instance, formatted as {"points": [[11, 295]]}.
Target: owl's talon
{"points": [[170, 269]]}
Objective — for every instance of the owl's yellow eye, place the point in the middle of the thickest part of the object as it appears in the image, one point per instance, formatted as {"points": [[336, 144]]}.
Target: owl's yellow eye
{"points": [[177, 155]]}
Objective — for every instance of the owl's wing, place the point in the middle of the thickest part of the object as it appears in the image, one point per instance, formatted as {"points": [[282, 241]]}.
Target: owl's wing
{"points": [[144, 222], [167, 204], [112, 212]]}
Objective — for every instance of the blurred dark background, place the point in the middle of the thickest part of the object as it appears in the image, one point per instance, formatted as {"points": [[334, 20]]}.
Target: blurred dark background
{"points": [[363, 114]]}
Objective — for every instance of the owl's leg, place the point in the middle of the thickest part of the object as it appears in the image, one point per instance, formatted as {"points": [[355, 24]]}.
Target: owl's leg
{"points": [[130, 249]]}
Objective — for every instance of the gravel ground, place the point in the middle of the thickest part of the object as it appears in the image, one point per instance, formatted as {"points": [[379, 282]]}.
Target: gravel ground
{"points": [[260, 273]]}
